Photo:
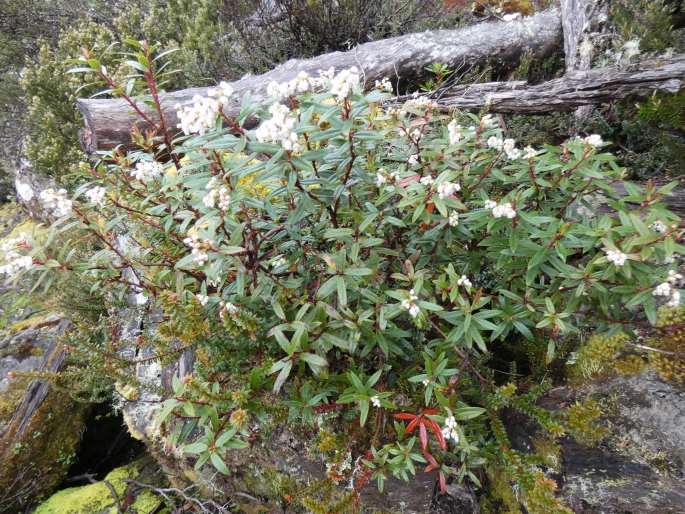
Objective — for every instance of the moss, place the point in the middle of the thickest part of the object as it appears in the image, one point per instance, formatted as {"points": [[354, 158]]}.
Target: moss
{"points": [[98, 497], [36, 456], [670, 338], [500, 497]]}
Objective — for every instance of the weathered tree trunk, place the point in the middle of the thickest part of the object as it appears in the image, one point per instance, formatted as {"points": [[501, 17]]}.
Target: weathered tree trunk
{"points": [[573, 90], [583, 21], [108, 123]]}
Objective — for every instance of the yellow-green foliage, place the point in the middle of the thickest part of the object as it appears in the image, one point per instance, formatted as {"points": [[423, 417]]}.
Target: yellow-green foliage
{"points": [[548, 449], [500, 497], [670, 338], [98, 497], [51, 95], [597, 357], [540, 499], [582, 421]]}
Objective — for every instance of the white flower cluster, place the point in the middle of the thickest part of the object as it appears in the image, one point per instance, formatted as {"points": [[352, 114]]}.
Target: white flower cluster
{"points": [[616, 256], [375, 401], [447, 189], [217, 194], [346, 82], [501, 210], [667, 288], [410, 305], [202, 298], [279, 129], [464, 281], [418, 102], [658, 226], [198, 248], [453, 219], [488, 122], [455, 132], [56, 201], [14, 261], [449, 431], [529, 152], [96, 195], [147, 170], [427, 181], [384, 85], [593, 140], [384, 177], [507, 145], [300, 84], [200, 117], [227, 308], [413, 159]]}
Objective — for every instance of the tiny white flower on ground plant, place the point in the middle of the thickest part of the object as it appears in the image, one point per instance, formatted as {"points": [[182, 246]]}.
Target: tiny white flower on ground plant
{"points": [[504, 210], [509, 147], [279, 129], [447, 189], [449, 431], [675, 299], [413, 159], [147, 170], [658, 226], [384, 85], [455, 131], [495, 142], [227, 308], [464, 281], [488, 121], [427, 181], [96, 195], [202, 298], [593, 140], [345, 82], [529, 152], [674, 276], [490, 204], [375, 401], [409, 304], [617, 257], [663, 289], [453, 219]]}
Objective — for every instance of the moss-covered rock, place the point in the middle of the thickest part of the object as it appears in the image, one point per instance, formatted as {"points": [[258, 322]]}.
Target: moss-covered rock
{"points": [[102, 497]]}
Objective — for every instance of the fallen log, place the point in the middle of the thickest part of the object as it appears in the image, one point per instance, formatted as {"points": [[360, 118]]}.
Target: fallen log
{"points": [[108, 123], [583, 21], [573, 90]]}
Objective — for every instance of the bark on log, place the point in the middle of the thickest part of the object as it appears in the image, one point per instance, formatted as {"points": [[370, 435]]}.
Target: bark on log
{"points": [[573, 90], [108, 123], [583, 22]]}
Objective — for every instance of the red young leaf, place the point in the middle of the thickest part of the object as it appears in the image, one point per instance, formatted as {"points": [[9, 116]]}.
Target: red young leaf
{"points": [[438, 433], [412, 425], [404, 415], [443, 482], [423, 435]]}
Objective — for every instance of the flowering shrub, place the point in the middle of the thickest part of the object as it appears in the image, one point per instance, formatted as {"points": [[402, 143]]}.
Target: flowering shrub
{"points": [[361, 259]]}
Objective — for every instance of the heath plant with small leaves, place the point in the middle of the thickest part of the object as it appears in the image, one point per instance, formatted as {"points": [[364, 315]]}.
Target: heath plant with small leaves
{"points": [[356, 261]]}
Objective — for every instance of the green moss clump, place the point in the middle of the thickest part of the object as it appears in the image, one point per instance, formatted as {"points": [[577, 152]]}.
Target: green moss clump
{"points": [[98, 497], [582, 420], [36, 457], [670, 338]]}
